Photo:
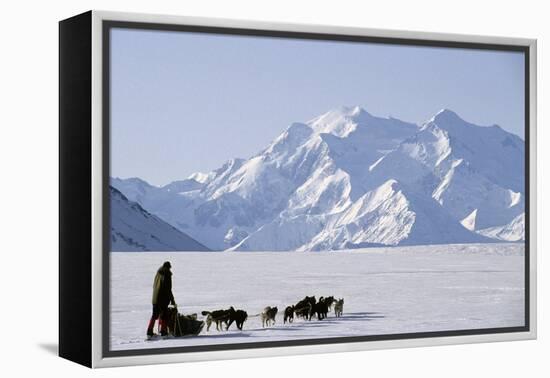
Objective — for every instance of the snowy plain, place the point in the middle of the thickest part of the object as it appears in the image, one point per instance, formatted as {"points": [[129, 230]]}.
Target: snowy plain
{"points": [[387, 291]]}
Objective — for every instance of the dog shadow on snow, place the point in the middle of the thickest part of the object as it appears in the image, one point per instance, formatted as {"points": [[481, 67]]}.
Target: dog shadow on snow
{"points": [[355, 317], [230, 334], [301, 325]]}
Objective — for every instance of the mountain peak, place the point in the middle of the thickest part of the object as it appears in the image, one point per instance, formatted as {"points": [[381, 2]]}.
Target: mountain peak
{"points": [[356, 110], [450, 121], [134, 181], [340, 121], [351, 111], [446, 115], [200, 177]]}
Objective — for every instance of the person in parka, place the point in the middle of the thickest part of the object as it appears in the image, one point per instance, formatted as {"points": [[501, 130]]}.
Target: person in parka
{"points": [[162, 297]]}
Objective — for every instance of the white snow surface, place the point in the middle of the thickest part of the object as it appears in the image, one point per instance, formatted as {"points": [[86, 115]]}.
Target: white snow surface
{"points": [[324, 178], [390, 290]]}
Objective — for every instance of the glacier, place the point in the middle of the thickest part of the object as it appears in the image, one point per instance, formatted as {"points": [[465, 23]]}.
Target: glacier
{"points": [[349, 179]]}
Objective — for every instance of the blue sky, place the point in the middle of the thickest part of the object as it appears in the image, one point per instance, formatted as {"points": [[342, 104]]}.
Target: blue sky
{"points": [[187, 102]]}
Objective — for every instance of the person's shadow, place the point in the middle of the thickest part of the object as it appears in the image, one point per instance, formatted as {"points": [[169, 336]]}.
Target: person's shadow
{"points": [[51, 348]]}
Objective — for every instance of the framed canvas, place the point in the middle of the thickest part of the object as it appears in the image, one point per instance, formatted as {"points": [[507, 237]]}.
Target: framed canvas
{"points": [[235, 189]]}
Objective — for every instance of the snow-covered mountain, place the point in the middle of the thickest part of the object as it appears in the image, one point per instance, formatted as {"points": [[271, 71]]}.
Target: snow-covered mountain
{"points": [[513, 231], [135, 229], [349, 179], [475, 173]]}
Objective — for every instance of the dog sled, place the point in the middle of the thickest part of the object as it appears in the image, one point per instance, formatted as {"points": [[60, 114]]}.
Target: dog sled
{"points": [[180, 325]]}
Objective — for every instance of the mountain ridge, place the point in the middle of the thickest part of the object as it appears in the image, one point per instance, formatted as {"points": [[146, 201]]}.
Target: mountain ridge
{"points": [[135, 229], [309, 178]]}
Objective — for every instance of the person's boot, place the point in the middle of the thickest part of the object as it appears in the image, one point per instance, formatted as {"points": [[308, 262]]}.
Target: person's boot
{"points": [[150, 328], [163, 327]]}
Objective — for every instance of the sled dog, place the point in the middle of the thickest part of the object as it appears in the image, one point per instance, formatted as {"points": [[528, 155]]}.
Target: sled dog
{"points": [[237, 316], [268, 316], [329, 301], [321, 309], [304, 308], [289, 314], [339, 307], [218, 317]]}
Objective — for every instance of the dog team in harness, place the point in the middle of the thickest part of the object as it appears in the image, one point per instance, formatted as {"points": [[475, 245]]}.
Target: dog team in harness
{"points": [[173, 324]]}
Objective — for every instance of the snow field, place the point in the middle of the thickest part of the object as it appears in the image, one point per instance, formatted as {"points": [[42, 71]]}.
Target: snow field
{"points": [[386, 290]]}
